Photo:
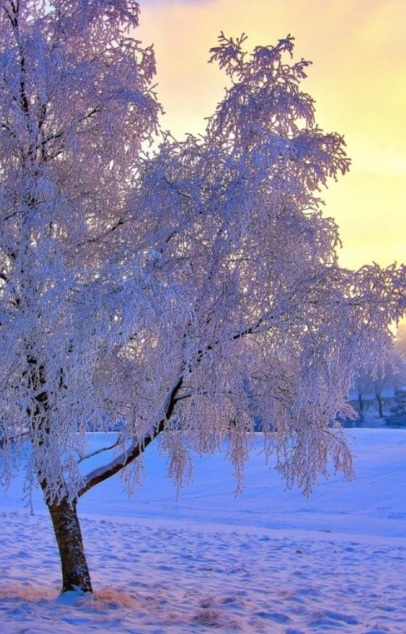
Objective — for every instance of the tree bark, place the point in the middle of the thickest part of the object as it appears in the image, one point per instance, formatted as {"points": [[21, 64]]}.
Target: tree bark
{"points": [[75, 571]]}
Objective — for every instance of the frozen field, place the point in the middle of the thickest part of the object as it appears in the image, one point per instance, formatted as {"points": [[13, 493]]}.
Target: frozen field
{"points": [[266, 561]]}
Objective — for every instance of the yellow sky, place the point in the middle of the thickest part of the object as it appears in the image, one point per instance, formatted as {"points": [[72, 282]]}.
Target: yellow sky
{"points": [[358, 79]]}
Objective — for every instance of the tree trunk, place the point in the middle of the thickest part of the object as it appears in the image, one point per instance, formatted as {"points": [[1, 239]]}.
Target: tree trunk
{"points": [[380, 407], [75, 572]]}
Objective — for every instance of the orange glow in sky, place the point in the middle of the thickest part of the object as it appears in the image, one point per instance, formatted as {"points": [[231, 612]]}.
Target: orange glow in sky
{"points": [[358, 80]]}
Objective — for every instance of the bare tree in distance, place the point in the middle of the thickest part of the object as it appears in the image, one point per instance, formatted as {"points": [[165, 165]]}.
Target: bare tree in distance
{"points": [[152, 288]]}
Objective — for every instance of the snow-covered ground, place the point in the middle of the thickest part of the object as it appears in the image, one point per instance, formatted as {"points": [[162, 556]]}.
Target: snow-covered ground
{"points": [[266, 561]]}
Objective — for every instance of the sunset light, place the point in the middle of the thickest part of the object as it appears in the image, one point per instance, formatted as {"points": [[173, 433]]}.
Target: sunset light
{"points": [[358, 81]]}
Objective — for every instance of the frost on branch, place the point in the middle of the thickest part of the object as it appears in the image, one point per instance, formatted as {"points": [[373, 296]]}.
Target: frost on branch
{"points": [[184, 294]]}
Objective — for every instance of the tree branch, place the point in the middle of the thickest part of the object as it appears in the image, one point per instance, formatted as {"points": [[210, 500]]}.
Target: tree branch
{"points": [[95, 453], [124, 459], [3, 441], [136, 449]]}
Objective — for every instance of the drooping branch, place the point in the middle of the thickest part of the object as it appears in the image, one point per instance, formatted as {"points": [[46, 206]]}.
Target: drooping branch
{"points": [[136, 449]]}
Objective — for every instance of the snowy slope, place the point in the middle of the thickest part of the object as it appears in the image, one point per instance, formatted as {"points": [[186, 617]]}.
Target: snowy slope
{"points": [[266, 561]]}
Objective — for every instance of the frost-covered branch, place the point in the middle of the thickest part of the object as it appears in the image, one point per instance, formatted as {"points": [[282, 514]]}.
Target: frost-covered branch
{"points": [[97, 452], [136, 449]]}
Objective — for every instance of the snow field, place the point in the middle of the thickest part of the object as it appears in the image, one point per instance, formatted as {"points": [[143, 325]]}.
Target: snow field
{"points": [[168, 571]]}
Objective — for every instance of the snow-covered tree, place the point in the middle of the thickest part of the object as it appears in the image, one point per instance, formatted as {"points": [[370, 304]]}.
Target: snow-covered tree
{"points": [[376, 382], [184, 292], [400, 341]]}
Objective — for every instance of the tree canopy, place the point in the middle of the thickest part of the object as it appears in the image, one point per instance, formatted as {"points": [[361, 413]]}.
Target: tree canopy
{"points": [[184, 291]]}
